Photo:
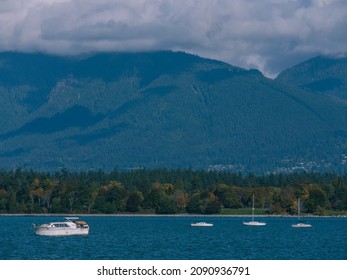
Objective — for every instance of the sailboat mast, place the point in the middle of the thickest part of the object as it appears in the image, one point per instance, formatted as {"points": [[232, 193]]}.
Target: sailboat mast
{"points": [[253, 209]]}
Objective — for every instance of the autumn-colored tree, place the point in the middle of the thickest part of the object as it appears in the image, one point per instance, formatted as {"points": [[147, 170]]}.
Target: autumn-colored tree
{"points": [[181, 199]]}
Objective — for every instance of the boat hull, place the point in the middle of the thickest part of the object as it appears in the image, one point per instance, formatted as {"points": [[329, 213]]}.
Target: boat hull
{"points": [[301, 225], [254, 223], [201, 225], [61, 232], [71, 226]]}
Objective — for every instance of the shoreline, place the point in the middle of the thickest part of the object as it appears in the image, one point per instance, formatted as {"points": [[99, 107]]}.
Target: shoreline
{"points": [[168, 215]]}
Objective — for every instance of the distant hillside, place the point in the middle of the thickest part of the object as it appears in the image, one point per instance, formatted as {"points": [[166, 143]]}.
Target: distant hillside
{"points": [[322, 74], [162, 109]]}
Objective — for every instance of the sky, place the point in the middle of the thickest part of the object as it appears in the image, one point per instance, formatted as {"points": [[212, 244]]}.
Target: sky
{"points": [[269, 35]]}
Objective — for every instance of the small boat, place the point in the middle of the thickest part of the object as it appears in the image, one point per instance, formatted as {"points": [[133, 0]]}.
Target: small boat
{"points": [[252, 222], [300, 224], [70, 226], [202, 224]]}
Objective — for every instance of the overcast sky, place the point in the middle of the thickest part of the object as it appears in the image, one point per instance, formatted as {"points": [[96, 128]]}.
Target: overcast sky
{"points": [[269, 35]]}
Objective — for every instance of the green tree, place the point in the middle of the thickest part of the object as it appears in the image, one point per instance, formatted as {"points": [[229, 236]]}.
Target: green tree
{"points": [[203, 203], [195, 204], [227, 196], [134, 201], [56, 205], [316, 200], [213, 206], [3, 200], [166, 205], [116, 196]]}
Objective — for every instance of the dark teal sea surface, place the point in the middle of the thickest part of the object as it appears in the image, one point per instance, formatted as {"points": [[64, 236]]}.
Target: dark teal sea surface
{"points": [[172, 238]]}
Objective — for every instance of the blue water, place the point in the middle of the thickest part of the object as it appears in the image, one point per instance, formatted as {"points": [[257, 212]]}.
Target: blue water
{"points": [[172, 238]]}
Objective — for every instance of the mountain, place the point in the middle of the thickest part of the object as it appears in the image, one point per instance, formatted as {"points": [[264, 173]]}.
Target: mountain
{"points": [[321, 74], [162, 109]]}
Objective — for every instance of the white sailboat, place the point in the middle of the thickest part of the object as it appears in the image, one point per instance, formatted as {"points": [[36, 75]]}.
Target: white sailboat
{"points": [[300, 224], [252, 222]]}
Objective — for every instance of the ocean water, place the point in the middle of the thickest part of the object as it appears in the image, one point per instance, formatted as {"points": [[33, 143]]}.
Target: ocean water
{"points": [[172, 238]]}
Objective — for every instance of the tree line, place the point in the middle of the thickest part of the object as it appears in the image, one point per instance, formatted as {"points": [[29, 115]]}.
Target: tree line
{"points": [[166, 191]]}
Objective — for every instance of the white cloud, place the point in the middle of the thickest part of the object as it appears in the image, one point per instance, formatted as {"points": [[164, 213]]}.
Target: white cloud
{"points": [[269, 35]]}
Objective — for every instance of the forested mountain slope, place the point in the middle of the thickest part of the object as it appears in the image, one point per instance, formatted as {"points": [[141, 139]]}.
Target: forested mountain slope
{"points": [[322, 74], [161, 109]]}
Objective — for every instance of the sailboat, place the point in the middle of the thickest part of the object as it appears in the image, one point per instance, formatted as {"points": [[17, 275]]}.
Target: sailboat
{"points": [[252, 222], [300, 224]]}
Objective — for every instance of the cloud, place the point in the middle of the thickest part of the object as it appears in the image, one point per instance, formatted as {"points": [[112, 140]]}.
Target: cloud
{"points": [[269, 35]]}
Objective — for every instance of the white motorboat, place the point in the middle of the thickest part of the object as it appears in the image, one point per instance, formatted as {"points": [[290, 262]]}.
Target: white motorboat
{"points": [[300, 224], [252, 222], [70, 226], [202, 224]]}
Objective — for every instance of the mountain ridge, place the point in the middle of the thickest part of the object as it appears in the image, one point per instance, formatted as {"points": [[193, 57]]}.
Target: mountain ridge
{"points": [[321, 74], [162, 109]]}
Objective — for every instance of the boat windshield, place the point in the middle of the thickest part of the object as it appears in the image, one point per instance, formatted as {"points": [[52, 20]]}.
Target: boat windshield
{"points": [[60, 225], [71, 218]]}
